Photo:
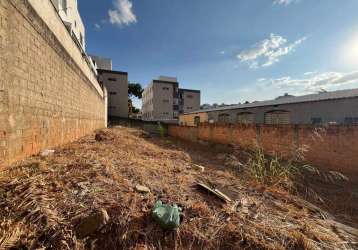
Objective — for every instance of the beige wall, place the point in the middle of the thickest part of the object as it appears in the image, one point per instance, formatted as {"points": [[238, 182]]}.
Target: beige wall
{"points": [[48, 94], [117, 92], [189, 119]]}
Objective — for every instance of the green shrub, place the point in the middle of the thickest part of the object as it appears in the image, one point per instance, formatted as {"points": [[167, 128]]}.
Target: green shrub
{"points": [[267, 169]]}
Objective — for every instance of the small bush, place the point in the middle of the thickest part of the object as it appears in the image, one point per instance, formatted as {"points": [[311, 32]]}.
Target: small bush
{"points": [[269, 169]]}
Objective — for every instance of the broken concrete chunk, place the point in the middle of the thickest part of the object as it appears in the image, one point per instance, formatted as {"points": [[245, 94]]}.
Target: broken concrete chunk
{"points": [[198, 168], [230, 160], [103, 136], [92, 223], [47, 152], [142, 189]]}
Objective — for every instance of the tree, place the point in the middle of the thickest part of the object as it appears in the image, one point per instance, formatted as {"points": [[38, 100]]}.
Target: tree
{"points": [[134, 90]]}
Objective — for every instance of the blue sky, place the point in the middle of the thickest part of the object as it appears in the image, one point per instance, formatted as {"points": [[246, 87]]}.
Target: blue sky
{"points": [[232, 50]]}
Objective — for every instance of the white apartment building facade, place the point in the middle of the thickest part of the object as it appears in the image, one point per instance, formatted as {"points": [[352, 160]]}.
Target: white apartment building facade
{"points": [[68, 11], [162, 100]]}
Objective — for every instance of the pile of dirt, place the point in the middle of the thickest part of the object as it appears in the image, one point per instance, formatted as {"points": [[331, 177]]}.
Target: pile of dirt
{"points": [[45, 201]]}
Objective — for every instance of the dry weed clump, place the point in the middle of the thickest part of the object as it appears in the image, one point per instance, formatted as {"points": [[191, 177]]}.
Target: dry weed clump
{"points": [[42, 199]]}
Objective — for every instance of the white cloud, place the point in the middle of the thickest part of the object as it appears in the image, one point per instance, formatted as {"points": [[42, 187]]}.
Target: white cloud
{"points": [[315, 81], [122, 14], [284, 2], [222, 52], [309, 73], [268, 51]]}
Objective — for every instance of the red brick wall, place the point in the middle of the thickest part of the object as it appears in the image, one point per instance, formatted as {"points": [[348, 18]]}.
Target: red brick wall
{"points": [[204, 133], [277, 140], [221, 134], [333, 148], [245, 136]]}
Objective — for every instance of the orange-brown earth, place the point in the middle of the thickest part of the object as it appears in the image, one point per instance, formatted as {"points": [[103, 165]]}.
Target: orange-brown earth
{"points": [[44, 198]]}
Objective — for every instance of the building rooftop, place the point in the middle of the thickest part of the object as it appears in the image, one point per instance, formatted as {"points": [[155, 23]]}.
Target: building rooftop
{"points": [[189, 90], [168, 79], [333, 95], [112, 71]]}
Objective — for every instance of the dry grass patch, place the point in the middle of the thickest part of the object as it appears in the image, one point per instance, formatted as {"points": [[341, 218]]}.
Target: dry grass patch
{"points": [[44, 198]]}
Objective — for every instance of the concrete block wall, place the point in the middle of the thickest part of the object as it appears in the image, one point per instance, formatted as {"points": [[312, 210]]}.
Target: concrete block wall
{"points": [[332, 148], [47, 96]]}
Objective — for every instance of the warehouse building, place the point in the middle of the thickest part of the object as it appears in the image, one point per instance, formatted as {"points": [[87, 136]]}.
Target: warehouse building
{"points": [[337, 107]]}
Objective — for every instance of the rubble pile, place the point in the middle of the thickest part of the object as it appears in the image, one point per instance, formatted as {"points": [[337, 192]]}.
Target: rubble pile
{"points": [[101, 192]]}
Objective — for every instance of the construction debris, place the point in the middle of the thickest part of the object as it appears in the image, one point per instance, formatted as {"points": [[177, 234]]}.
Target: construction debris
{"points": [[47, 152], [198, 167], [215, 191], [142, 189], [167, 216], [230, 160], [92, 223], [103, 135]]}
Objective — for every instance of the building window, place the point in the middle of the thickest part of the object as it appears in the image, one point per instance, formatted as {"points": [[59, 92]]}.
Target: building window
{"points": [[190, 96], [112, 79], [189, 107], [165, 88], [245, 118], [351, 120], [111, 107], [176, 107], [81, 39], [166, 101], [277, 117], [112, 93], [224, 118], [316, 120]]}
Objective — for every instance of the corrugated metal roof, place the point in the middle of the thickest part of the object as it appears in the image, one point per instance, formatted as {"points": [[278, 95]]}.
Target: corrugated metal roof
{"points": [[339, 94]]}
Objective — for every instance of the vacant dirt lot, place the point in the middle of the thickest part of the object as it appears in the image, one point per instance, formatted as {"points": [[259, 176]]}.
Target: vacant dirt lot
{"points": [[44, 198]]}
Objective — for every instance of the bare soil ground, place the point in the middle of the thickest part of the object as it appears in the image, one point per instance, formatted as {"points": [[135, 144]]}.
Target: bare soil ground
{"points": [[44, 198]]}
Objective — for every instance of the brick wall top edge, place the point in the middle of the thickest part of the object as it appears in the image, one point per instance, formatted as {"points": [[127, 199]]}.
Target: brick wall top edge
{"points": [[47, 13], [300, 126]]}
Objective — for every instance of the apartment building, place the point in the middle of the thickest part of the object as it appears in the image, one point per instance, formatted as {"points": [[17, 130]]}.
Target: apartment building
{"points": [[101, 62], [116, 83], [189, 100], [68, 11], [336, 107], [163, 100]]}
